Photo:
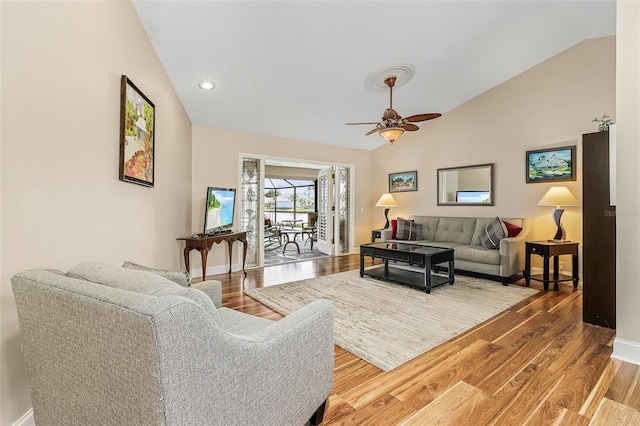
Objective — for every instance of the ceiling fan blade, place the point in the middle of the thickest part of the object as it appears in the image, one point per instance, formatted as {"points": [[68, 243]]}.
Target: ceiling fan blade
{"points": [[423, 117], [351, 124], [411, 127], [370, 132]]}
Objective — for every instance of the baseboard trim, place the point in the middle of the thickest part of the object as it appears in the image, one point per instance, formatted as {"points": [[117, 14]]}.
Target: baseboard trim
{"points": [[626, 350], [26, 420], [215, 270]]}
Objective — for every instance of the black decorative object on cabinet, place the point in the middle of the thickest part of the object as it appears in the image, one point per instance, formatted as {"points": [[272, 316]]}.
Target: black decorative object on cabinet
{"points": [[599, 233]]}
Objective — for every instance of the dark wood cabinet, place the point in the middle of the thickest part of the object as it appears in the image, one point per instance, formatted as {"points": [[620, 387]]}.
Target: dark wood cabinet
{"points": [[598, 233]]}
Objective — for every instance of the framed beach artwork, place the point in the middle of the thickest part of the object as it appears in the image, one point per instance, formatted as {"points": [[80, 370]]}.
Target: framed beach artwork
{"points": [[405, 181], [137, 135], [551, 165]]}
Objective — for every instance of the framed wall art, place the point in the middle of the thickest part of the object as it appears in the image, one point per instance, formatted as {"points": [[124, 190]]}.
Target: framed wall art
{"points": [[402, 182], [137, 135], [551, 165]]}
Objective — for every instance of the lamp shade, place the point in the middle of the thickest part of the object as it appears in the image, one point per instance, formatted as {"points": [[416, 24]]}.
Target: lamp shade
{"points": [[387, 201], [558, 196], [391, 133]]}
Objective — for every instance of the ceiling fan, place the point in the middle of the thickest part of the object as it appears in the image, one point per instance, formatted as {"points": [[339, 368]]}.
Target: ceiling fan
{"points": [[391, 126]]}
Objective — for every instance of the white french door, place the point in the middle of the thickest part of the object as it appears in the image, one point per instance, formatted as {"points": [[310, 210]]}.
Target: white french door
{"points": [[334, 207], [342, 210], [325, 207]]}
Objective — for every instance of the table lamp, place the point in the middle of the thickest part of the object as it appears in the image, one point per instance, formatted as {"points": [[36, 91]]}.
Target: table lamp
{"points": [[387, 201], [558, 196]]}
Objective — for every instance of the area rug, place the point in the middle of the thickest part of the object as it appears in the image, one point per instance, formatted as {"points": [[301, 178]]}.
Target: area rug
{"points": [[388, 324], [275, 255]]}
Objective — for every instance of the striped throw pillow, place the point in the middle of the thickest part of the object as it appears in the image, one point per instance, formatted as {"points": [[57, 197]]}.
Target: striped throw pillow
{"points": [[493, 233], [408, 230]]}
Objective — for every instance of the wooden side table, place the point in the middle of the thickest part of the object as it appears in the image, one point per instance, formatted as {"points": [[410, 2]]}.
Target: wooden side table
{"points": [[376, 233], [547, 249]]}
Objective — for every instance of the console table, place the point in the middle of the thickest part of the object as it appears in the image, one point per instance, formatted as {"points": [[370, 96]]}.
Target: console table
{"points": [[548, 249], [204, 243]]}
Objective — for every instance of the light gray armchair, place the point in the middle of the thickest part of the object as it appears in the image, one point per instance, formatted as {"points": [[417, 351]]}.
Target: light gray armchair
{"points": [[107, 345]]}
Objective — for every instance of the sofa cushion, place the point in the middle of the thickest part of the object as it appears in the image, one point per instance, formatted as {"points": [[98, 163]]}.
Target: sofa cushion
{"points": [[455, 229], [394, 228], [142, 282], [478, 254], [482, 222], [179, 277], [429, 225], [512, 230], [441, 244], [481, 225], [514, 221], [493, 233], [408, 230], [118, 277]]}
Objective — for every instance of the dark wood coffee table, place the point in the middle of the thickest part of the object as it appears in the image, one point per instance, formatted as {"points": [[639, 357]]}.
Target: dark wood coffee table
{"points": [[418, 255]]}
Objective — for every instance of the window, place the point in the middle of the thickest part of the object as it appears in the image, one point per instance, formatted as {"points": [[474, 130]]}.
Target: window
{"points": [[289, 199]]}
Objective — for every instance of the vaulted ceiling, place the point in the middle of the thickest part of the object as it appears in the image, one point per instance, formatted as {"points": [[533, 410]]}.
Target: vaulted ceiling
{"points": [[297, 69]]}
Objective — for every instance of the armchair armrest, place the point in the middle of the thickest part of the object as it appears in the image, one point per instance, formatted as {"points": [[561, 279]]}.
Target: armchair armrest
{"points": [[386, 234], [211, 288], [280, 371]]}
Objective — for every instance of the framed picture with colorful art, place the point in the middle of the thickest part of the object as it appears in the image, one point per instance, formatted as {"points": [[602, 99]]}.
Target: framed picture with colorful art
{"points": [[405, 181], [551, 164], [137, 135]]}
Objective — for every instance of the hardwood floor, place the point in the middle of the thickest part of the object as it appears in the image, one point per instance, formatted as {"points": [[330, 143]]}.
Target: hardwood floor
{"points": [[535, 364]]}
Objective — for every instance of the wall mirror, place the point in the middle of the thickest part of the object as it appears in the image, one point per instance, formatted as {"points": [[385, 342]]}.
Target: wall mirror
{"points": [[466, 186]]}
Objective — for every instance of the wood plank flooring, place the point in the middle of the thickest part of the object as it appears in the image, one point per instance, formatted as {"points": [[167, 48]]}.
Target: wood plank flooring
{"points": [[534, 364]]}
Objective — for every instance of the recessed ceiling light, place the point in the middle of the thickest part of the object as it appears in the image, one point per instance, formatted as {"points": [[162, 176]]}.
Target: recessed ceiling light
{"points": [[206, 85]]}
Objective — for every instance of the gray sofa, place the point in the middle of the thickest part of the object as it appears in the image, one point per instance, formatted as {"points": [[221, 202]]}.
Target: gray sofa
{"points": [[113, 346], [463, 235]]}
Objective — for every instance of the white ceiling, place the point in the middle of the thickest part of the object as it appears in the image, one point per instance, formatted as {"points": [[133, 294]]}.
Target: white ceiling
{"points": [[297, 69]]}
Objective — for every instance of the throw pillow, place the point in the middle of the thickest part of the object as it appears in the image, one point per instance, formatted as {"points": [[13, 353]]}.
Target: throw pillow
{"points": [[512, 230], [118, 277], [140, 281], [408, 230], [394, 228], [493, 233], [177, 277]]}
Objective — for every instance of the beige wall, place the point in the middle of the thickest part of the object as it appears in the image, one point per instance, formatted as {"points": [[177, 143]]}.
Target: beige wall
{"points": [[216, 158], [627, 344], [62, 201], [549, 105]]}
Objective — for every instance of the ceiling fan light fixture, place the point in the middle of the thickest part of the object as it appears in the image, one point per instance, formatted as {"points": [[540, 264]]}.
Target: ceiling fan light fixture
{"points": [[391, 133], [391, 126]]}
